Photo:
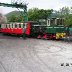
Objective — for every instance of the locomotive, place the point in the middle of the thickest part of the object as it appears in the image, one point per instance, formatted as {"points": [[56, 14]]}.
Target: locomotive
{"points": [[54, 29]]}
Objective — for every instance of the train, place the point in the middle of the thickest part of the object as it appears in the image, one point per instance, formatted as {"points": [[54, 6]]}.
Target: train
{"points": [[53, 29]]}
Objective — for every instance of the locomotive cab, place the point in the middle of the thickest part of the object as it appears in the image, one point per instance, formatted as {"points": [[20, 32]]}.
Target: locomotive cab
{"points": [[55, 28]]}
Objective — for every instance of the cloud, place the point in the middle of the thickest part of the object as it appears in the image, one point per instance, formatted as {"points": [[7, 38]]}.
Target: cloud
{"points": [[41, 4], [49, 4]]}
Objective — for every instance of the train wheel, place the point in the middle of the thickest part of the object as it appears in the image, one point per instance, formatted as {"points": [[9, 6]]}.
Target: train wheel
{"points": [[39, 37], [45, 36]]}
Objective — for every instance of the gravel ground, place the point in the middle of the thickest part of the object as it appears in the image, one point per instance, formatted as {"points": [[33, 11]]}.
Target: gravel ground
{"points": [[34, 55]]}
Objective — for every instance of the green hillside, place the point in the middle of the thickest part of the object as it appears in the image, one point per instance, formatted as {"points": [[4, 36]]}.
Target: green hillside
{"points": [[14, 16], [16, 13]]}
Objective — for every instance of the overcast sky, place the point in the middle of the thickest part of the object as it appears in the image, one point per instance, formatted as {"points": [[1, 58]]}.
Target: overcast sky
{"points": [[41, 4]]}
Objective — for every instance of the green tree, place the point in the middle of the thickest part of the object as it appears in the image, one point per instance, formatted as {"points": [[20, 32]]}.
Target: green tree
{"points": [[12, 18], [15, 18], [43, 14], [19, 18], [35, 14], [68, 20], [65, 11], [62, 12]]}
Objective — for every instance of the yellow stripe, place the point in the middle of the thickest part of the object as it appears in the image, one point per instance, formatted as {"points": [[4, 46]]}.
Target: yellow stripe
{"points": [[60, 35]]}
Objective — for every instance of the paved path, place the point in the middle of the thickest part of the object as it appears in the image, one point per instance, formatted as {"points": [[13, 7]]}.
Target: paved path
{"points": [[34, 55]]}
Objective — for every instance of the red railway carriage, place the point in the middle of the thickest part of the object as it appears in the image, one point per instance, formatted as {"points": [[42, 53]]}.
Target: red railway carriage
{"points": [[16, 28]]}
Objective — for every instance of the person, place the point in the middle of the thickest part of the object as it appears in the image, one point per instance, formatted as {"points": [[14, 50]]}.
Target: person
{"points": [[24, 36], [24, 30]]}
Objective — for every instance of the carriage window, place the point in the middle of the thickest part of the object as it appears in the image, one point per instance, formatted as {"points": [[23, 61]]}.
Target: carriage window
{"points": [[6, 25], [9, 25], [61, 21], [23, 25], [12, 25], [52, 22], [15, 25], [48, 22], [19, 25], [58, 21]]}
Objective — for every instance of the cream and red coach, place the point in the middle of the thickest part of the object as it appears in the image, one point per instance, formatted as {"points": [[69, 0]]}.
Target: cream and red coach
{"points": [[15, 28]]}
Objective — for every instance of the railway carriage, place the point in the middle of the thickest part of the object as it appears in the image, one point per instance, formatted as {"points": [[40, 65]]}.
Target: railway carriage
{"points": [[15, 28]]}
